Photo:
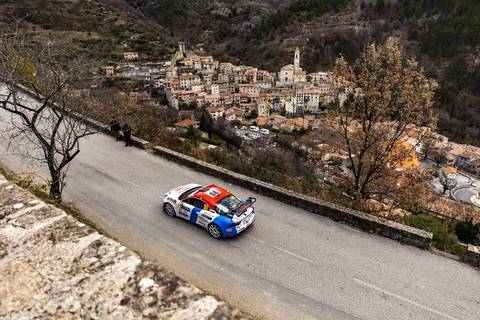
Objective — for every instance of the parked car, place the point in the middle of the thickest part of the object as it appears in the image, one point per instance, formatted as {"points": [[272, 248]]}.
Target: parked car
{"points": [[221, 213], [265, 131], [254, 128], [253, 135]]}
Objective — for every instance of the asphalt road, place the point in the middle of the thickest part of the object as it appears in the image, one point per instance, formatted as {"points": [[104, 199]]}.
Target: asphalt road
{"points": [[291, 264]]}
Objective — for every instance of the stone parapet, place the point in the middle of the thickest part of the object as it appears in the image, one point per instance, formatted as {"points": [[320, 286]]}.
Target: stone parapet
{"points": [[472, 256]]}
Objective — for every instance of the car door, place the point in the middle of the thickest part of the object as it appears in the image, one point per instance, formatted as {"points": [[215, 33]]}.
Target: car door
{"points": [[185, 209], [200, 213], [194, 207], [206, 216]]}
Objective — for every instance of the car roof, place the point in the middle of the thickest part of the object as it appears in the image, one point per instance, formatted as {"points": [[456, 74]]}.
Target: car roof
{"points": [[211, 194]]}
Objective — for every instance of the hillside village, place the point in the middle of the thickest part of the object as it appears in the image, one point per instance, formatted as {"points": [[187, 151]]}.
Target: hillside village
{"points": [[287, 101], [239, 93]]}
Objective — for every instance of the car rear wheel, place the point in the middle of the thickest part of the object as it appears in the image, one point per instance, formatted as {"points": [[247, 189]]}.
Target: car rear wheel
{"points": [[215, 231], [169, 209]]}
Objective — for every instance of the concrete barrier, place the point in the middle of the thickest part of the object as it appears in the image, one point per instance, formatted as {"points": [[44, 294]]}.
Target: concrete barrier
{"points": [[472, 256], [386, 228], [92, 123], [140, 143]]}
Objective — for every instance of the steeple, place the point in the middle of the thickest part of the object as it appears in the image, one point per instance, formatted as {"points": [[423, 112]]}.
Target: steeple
{"points": [[296, 61], [181, 48]]}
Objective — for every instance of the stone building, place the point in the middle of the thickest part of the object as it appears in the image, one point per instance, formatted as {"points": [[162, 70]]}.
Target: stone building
{"points": [[292, 74]]}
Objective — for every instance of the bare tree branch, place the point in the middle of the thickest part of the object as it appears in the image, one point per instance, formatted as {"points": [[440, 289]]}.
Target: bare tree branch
{"points": [[42, 127], [385, 100]]}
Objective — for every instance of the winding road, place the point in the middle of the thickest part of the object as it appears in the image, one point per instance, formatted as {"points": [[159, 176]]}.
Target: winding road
{"points": [[291, 264]]}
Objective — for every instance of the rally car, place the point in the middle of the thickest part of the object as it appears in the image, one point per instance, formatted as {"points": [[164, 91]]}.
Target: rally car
{"points": [[214, 208]]}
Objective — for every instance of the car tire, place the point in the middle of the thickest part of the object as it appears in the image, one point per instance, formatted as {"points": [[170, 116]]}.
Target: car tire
{"points": [[215, 231], [169, 210]]}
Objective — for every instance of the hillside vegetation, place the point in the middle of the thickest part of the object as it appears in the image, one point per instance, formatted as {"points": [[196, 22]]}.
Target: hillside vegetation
{"points": [[443, 34], [102, 29]]}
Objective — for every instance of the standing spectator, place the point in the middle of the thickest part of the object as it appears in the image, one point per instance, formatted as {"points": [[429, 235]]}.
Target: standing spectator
{"points": [[127, 134], [115, 128]]}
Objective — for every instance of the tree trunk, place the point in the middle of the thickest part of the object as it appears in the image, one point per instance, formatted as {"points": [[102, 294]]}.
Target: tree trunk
{"points": [[56, 186]]}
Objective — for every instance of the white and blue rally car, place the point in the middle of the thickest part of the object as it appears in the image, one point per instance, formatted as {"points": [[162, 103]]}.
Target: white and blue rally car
{"points": [[214, 208]]}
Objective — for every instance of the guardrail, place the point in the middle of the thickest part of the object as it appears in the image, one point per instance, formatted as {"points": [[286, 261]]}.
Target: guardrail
{"points": [[367, 222]]}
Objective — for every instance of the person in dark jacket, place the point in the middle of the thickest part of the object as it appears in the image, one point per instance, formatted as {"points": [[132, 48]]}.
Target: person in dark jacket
{"points": [[127, 134], [115, 128]]}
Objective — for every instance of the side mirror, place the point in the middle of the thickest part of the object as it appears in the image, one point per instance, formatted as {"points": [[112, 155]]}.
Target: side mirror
{"points": [[251, 200]]}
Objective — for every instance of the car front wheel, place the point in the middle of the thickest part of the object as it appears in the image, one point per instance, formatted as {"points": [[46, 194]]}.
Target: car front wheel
{"points": [[215, 231], [169, 209]]}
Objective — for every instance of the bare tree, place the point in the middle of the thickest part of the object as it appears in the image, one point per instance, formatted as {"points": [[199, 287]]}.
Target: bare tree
{"points": [[428, 145], [42, 127], [447, 181], [440, 156], [382, 99]]}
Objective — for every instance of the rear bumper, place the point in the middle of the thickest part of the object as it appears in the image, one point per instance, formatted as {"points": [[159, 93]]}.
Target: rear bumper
{"points": [[232, 231], [248, 222]]}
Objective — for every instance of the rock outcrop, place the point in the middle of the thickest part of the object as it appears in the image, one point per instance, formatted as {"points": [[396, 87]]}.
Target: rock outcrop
{"points": [[53, 266]]}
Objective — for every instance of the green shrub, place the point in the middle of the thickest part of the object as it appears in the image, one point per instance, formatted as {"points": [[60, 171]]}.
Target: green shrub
{"points": [[215, 140], [427, 223], [444, 237], [468, 232]]}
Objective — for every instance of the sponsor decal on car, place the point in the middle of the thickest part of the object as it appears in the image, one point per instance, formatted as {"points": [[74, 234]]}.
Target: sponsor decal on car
{"points": [[212, 192], [212, 205]]}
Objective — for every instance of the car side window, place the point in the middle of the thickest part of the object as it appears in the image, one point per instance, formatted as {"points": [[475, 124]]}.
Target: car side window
{"points": [[196, 203]]}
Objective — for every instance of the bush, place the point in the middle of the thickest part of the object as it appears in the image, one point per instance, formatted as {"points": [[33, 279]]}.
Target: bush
{"points": [[468, 232], [444, 237], [214, 140]]}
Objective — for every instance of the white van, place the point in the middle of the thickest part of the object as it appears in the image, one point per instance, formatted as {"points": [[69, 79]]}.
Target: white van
{"points": [[254, 128], [265, 131]]}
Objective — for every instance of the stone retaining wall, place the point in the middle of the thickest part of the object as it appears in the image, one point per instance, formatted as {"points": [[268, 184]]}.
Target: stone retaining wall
{"points": [[472, 255], [54, 267]]}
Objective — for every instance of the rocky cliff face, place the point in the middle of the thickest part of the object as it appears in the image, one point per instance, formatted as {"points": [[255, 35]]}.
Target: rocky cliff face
{"points": [[53, 266]]}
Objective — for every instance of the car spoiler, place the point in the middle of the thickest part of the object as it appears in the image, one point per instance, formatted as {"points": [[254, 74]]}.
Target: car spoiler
{"points": [[243, 207]]}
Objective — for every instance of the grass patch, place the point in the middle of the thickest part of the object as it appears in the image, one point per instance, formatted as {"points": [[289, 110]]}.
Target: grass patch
{"points": [[444, 237]]}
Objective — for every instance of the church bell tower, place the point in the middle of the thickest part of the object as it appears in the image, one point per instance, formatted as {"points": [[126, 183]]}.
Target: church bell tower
{"points": [[296, 61]]}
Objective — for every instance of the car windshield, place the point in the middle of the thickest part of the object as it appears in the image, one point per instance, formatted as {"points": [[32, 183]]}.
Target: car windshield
{"points": [[227, 204]]}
